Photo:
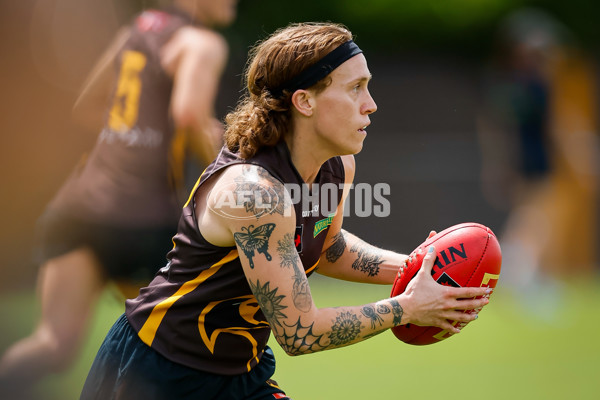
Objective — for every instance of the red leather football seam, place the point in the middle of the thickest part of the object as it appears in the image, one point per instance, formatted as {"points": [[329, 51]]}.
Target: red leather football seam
{"points": [[482, 255], [447, 233]]}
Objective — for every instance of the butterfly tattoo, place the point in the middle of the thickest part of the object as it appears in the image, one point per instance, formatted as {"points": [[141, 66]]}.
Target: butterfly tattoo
{"points": [[254, 239]]}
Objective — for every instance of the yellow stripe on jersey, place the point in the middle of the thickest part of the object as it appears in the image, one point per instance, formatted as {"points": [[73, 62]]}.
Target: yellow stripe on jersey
{"points": [[272, 383], [148, 331], [194, 189], [313, 267]]}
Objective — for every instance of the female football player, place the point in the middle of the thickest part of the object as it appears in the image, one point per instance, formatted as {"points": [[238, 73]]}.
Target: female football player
{"points": [[248, 239]]}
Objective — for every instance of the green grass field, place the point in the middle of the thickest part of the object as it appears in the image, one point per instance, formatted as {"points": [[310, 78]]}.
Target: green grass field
{"points": [[549, 350]]}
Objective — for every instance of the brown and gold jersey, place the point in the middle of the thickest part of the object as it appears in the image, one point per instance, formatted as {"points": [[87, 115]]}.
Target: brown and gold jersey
{"points": [[127, 178], [199, 310]]}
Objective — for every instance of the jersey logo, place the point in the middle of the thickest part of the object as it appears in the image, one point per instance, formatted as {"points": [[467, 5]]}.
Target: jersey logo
{"points": [[243, 314], [308, 213], [298, 238], [323, 224], [254, 239]]}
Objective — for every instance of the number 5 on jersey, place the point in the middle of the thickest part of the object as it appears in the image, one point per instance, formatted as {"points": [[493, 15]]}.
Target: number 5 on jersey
{"points": [[124, 112]]}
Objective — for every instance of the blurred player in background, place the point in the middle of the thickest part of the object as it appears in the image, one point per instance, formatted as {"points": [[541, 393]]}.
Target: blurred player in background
{"points": [[540, 150], [244, 248], [114, 218]]}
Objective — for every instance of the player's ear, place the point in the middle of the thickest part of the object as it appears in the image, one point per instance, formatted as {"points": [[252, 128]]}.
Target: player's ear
{"points": [[304, 102]]}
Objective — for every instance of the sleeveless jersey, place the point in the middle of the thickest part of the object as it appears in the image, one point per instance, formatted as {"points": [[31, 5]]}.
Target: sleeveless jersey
{"points": [[127, 179], [199, 310]]}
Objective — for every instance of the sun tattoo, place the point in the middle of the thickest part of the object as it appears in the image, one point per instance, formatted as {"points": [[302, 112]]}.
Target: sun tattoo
{"points": [[345, 329], [269, 302]]}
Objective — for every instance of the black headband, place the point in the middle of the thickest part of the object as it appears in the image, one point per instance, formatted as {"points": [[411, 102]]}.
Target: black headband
{"points": [[320, 69]]}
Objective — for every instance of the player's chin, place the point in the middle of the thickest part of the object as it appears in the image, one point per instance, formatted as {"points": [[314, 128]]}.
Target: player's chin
{"points": [[360, 143], [350, 147], [353, 150]]}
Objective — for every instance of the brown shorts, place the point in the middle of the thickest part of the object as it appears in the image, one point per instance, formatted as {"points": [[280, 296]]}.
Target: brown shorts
{"points": [[133, 255]]}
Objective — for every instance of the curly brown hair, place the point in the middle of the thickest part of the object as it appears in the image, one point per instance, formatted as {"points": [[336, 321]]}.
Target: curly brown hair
{"points": [[260, 119]]}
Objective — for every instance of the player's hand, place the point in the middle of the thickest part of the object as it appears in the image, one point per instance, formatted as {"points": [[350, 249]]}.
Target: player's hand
{"points": [[427, 303], [409, 258]]}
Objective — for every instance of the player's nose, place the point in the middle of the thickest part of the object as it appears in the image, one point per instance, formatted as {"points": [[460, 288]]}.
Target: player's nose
{"points": [[369, 107]]}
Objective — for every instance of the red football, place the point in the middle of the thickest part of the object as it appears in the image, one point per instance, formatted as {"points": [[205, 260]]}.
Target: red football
{"points": [[468, 255]]}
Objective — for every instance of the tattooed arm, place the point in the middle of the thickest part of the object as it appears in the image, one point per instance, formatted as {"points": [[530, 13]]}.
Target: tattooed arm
{"points": [[347, 257], [274, 271], [351, 258]]}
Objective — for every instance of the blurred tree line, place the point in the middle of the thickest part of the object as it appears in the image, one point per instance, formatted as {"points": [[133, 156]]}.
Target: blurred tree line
{"points": [[464, 27]]}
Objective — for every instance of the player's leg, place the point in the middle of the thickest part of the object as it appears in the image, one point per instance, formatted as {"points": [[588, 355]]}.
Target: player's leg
{"points": [[69, 286], [526, 235]]}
